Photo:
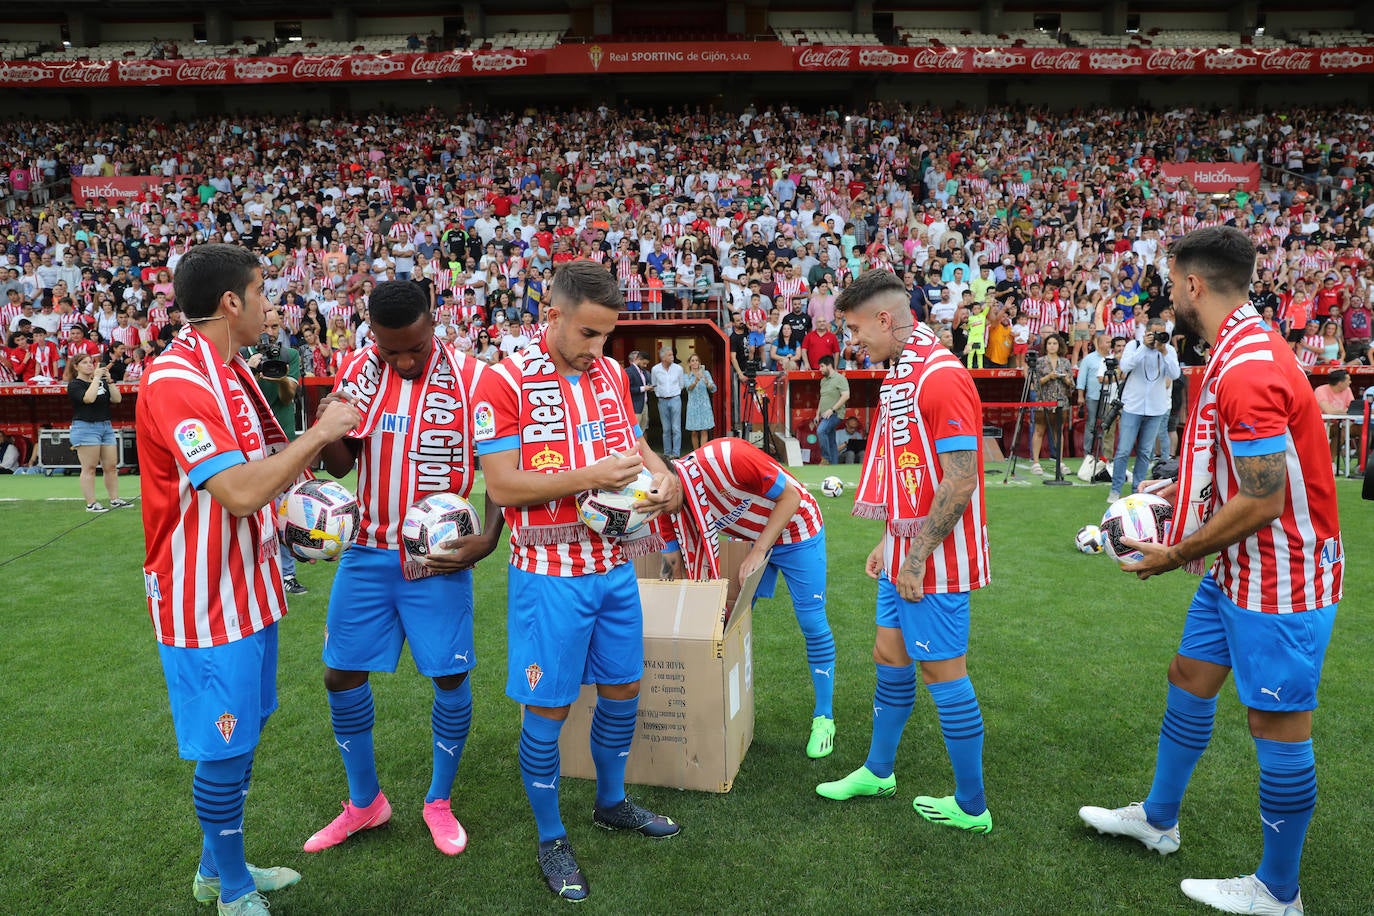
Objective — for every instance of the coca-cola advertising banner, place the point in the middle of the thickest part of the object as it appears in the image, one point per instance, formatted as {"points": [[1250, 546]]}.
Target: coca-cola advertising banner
{"points": [[1213, 177], [617, 57], [119, 189]]}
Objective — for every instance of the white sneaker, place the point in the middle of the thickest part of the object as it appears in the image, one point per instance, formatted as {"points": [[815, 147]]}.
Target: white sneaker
{"points": [[1130, 821], [1113, 496], [1240, 895], [1036, 469], [96, 507]]}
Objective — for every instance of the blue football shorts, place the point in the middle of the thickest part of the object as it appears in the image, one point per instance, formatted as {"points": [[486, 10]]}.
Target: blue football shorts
{"points": [[1276, 658], [221, 697], [933, 629], [802, 566], [566, 631], [373, 611]]}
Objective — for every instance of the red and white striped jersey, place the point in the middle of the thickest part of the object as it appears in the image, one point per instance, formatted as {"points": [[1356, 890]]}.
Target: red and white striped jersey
{"points": [[1307, 357], [127, 335], [1265, 405], [396, 467], [1032, 310], [789, 288], [1124, 329], [7, 315], [497, 426], [948, 417], [634, 288], [291, 314], [737, 489], [210, 578]]}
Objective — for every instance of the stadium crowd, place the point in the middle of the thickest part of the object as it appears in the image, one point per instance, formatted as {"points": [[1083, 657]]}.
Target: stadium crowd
{"points": [[1008, 226]]}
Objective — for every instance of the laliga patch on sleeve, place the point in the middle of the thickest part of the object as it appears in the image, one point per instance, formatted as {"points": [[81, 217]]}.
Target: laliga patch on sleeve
{"points": [[193, 439], [483, 422]]}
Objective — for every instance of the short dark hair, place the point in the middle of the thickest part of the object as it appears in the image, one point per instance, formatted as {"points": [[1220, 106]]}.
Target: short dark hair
{"points": [[826, 360], [868, 284], [577, 282], [397, 304], [1336, 376], [206, 272], [1222, 255]]}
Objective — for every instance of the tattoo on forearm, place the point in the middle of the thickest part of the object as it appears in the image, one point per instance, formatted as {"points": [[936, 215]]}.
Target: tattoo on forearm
{"points": [[1262, 475], [949, 503]]}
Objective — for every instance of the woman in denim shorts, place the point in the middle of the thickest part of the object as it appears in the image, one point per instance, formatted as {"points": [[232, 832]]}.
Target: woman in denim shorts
{"points": [[91, 393]]}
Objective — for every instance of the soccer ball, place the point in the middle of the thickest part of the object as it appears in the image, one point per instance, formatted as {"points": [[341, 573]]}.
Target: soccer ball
{"points": [[318, 519], [1088, 539], [611, 512], [435, 519], [1140, 516], [832, 486]]}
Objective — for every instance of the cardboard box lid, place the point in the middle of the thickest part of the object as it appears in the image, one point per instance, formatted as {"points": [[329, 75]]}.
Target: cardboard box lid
{"points": [[682, 609]]}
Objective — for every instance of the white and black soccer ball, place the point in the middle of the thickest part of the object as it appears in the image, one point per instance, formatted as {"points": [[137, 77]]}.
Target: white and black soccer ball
{"points": [[1142, 517], [1088, 539], [611, 512], [318, 519], [435, 519], [832, 486]]}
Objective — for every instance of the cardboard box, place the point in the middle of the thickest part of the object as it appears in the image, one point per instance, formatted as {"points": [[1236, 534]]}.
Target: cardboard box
{"points": [[696, 699]]}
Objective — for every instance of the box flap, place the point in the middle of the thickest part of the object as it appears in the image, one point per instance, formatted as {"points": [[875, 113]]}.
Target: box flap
{"points": [[683, 610]]}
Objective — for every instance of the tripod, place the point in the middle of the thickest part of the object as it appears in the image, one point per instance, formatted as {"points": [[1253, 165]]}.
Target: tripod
{"points": [[1111, 396], [1029, 392], [762, 401]]}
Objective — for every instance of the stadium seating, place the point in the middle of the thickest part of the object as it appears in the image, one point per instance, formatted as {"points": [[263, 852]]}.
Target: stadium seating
{"points": [[954, 38], [826, 37]]}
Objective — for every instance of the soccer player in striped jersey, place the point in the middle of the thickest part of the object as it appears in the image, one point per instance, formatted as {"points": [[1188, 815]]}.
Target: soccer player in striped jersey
{"points": [[1256, 488], [415, 394], [923, 476], [213, 459], [730, 487], [552, 420]]}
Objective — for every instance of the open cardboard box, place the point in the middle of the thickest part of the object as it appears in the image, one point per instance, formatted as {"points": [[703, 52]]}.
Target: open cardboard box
{"points": [[696, 699]]}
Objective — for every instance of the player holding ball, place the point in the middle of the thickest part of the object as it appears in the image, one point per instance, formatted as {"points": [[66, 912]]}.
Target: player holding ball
{"points": [[1255, 487]]}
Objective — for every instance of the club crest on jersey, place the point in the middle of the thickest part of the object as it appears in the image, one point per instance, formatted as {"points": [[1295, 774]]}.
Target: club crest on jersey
{"points": [[483, 422], [534, 674], [398, 423], [225, 724], [547, 459], [193, 439], [909, 471]]}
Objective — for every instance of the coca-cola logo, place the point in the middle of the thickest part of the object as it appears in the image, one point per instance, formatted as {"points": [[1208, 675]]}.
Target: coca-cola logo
{"points": [[318, 68], [1056, 60], [1112, 60], [498, 62], [928, 59], [997, 60], [374, 66], [824, 58], [1345, 60], [206, 71], [1287, 61], [139, 71], [24, 73], [84, 74], [881, 57], [258, 70], [447, 65], [1170, 62], [1225, 60]]}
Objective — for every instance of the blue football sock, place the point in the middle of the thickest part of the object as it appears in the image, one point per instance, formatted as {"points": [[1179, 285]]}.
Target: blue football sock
{"points": [[352, 715], [217, 790], [1287, 797], [208, 868], [539, 771], [1183, 736], [450, 721], [892, 702], [961, 723], [820, 658], [613, 728]]}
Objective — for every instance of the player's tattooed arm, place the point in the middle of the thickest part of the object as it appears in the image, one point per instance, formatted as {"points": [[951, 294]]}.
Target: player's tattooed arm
{"points": [[959, 478], [1262, 476]]}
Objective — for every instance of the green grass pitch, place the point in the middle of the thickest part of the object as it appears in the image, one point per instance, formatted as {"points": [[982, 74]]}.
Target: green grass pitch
{"points": [[1068, 657]]}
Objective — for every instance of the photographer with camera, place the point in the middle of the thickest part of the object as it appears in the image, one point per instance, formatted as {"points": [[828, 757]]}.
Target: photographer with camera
{"points": [[277, 370], [1151, 366]]}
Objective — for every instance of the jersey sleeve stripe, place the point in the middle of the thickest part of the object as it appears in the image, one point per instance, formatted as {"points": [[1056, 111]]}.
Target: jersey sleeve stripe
{"points": [[956, 444], [1249, 448], [208, 468], [493, 446], [776, 490]]}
